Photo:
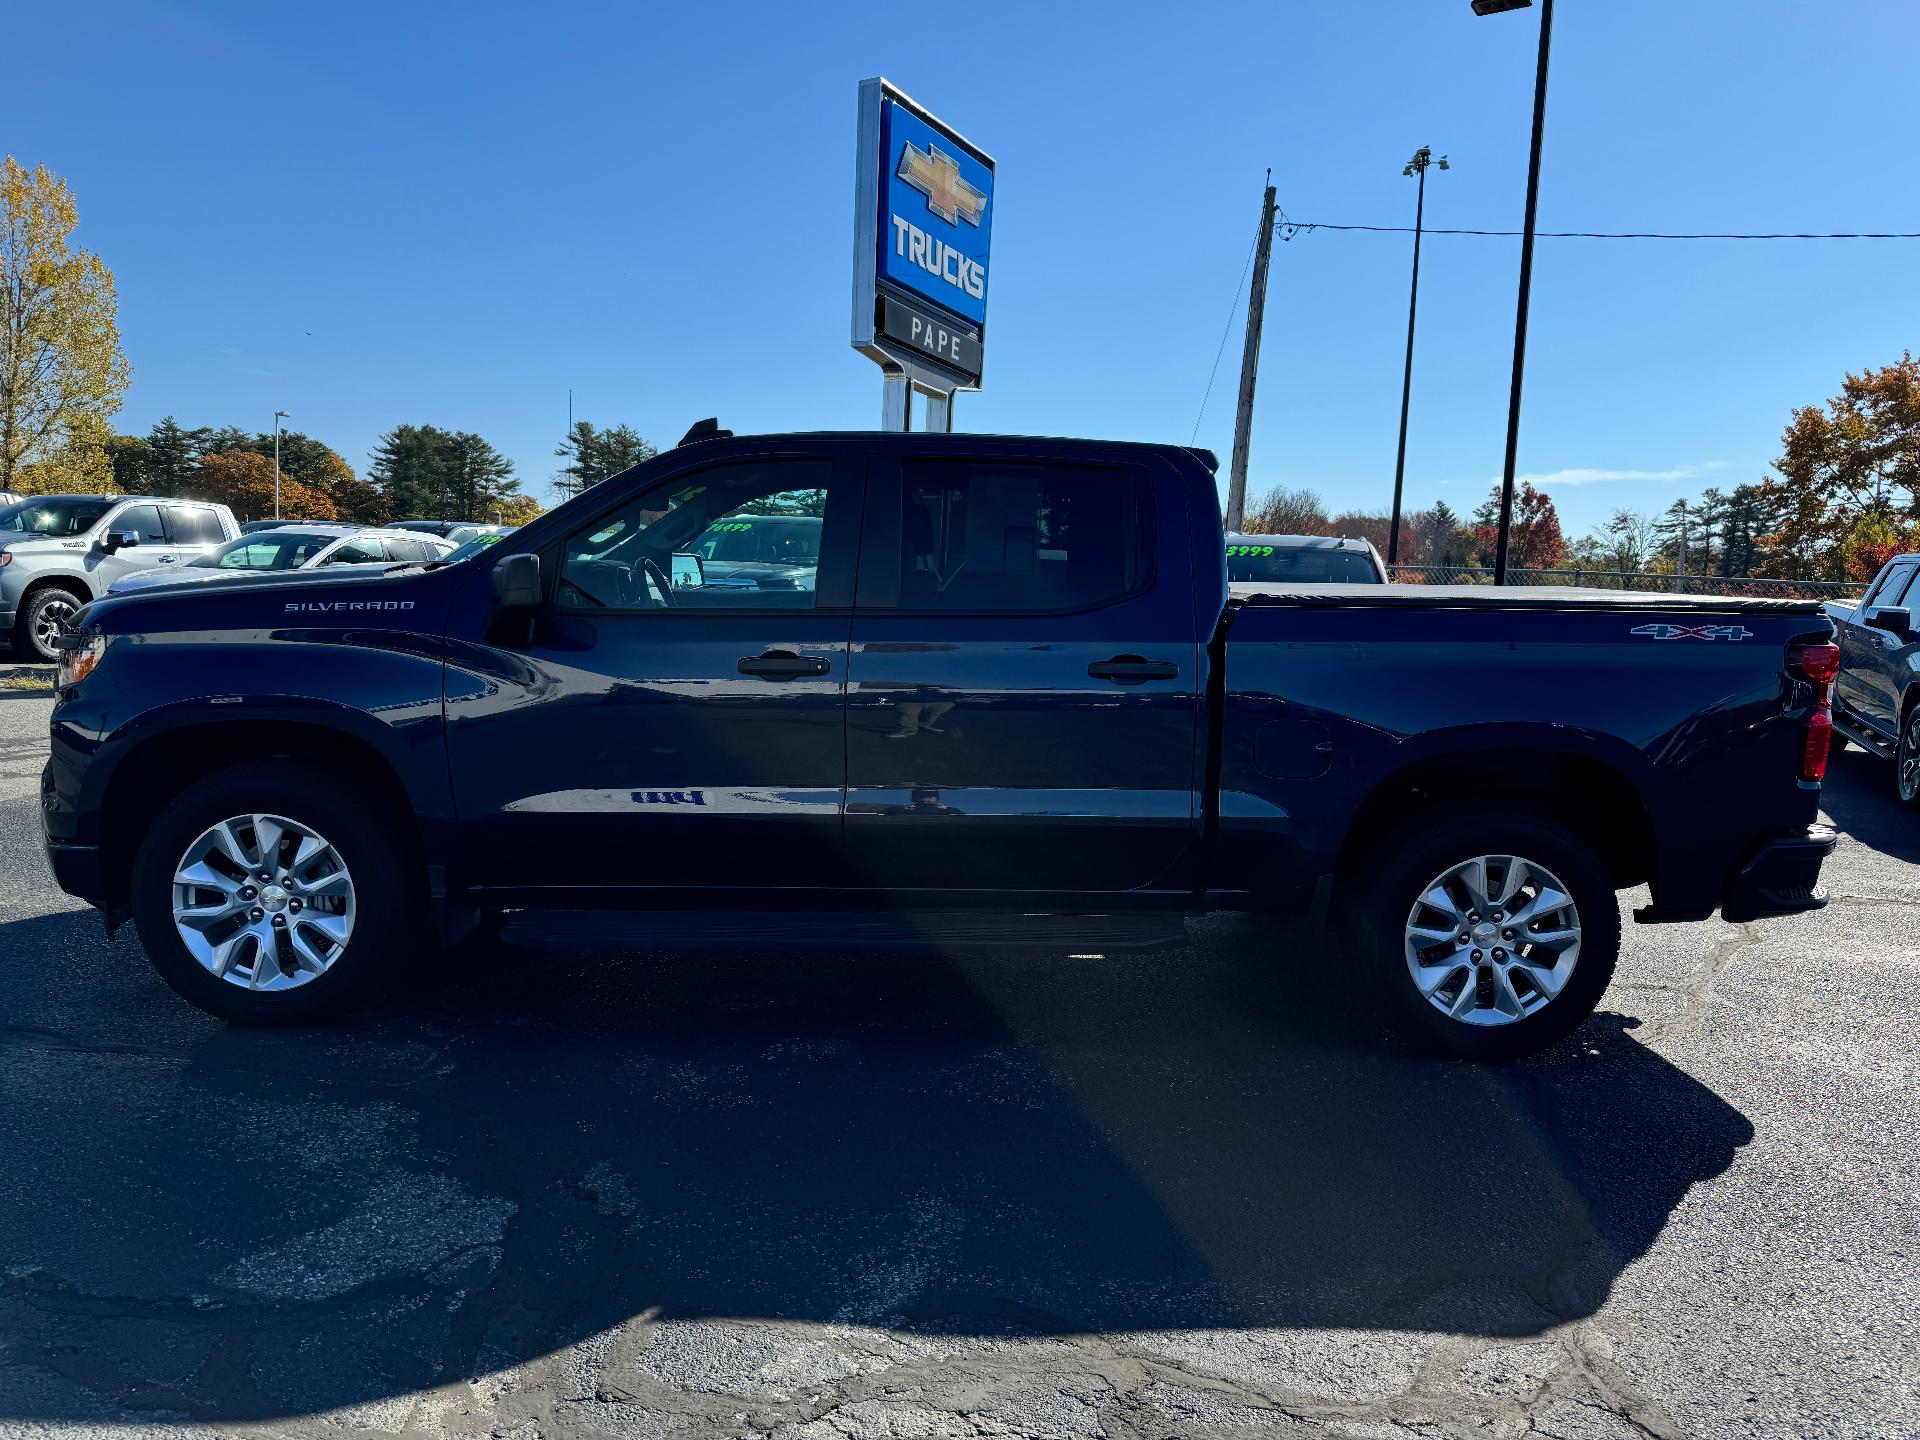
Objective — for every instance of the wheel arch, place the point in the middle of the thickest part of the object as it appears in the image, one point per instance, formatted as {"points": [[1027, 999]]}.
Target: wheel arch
{"points": [[163, 764], [1589, 792]]}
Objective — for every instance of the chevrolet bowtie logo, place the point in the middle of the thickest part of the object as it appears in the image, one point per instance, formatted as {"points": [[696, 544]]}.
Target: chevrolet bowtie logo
{"points": [[935, 175]]}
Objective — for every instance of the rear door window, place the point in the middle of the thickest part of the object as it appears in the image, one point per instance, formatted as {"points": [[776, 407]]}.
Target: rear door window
{"points": [[1001, 536], [193, 525], [357, 552]]}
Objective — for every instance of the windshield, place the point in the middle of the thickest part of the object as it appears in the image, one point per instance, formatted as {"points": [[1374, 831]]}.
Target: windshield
{"points": [[266, 550], [1300, 563], [473, 547], [744, 539], [53, 517]]}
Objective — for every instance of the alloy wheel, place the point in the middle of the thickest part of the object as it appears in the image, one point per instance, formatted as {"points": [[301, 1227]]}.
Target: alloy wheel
{"points": [[1492, 940], [49, 620], [263, 902], [1909, 759]]}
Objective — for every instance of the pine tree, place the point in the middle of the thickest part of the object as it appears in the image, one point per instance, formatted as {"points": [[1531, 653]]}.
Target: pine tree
{"points": [[172, 455], [595, 455]]}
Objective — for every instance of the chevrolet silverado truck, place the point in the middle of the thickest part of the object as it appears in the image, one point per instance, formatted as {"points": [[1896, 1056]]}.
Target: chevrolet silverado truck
{"points": [[1876, 696], [1016, 704]]}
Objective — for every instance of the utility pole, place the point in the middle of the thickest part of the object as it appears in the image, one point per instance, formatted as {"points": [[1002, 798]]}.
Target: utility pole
{"points": [[1491, 7], [1422, 158], [278, 416], [1250, 367]]}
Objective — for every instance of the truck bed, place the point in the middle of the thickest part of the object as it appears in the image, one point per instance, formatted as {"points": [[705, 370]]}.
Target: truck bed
{"points": [[1509, 597]]}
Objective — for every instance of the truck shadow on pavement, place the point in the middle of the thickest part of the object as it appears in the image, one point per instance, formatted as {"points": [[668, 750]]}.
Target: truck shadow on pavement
{"points": [[1859, 795], [525, 1150]]}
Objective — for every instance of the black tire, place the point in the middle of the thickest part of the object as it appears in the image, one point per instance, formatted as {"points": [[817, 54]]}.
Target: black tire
{"points": [[1906, 760], [1398, 873], [383, 932], [33, 619]]}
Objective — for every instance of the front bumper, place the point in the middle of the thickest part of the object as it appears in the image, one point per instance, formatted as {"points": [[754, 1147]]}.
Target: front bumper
{"points": [[1781, 877], [80, 870]]}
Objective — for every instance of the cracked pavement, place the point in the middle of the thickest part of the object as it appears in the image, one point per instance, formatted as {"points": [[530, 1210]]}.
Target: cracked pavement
{"points": [[850, 1198]]}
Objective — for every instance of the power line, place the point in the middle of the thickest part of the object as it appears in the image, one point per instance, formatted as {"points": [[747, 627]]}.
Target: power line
{"points": [[1293, 227], [1225, 330]]}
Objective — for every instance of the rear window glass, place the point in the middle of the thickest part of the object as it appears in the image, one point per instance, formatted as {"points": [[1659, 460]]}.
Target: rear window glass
{"points": [[1300, 564]]}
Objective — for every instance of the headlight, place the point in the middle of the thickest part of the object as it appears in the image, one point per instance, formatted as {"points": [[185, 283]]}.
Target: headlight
{"points": [[80, 651]]}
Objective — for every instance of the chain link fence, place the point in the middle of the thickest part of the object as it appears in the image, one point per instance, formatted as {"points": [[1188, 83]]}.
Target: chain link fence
{"points": [[1630, 580]]}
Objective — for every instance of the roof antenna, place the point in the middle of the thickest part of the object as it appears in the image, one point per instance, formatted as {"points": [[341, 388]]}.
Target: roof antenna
{"points": [[707, 429]]}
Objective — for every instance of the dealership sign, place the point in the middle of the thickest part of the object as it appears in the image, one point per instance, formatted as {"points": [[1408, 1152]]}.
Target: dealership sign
{"points": [[923, 226]]}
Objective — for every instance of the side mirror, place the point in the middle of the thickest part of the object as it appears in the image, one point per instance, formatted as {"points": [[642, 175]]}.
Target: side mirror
{"points": [[689, 572], [516, 583], [120, 540], [1894, 619]]}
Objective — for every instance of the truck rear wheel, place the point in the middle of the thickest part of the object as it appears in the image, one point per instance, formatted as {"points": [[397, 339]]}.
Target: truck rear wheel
{"points": [[270, 893], [1487, 936]]}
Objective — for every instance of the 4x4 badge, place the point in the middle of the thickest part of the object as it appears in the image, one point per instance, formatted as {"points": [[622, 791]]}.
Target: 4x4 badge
{"points": [[1666, 631]]}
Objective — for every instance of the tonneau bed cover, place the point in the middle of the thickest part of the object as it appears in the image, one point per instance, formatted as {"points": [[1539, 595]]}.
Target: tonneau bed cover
{"points": [[1509, 597]]}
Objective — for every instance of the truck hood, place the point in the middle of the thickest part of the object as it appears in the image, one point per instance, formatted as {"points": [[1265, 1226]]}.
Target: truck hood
{"points": [[173, 576], [398, 597]]}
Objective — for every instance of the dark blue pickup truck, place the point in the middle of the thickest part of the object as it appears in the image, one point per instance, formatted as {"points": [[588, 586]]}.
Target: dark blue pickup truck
{"points": [[1014, 702], [1876, 702]]}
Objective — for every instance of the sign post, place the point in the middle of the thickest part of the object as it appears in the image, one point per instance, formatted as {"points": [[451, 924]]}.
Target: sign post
{"points": [[922, 223]]}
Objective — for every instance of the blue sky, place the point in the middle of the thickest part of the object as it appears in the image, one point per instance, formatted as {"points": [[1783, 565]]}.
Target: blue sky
{"points": [[375, 214]]}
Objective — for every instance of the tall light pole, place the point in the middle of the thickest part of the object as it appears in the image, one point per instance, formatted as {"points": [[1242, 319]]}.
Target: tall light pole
{"points": [[1495, 7], [278, 416], [1422, 158]]}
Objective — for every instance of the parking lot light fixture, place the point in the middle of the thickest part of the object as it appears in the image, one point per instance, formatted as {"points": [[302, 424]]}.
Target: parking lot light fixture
{"points": [[278, 416]]}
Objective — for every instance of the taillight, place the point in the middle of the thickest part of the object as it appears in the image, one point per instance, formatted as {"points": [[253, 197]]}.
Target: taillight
{"points": [[1818, 664], [1813, 754]]}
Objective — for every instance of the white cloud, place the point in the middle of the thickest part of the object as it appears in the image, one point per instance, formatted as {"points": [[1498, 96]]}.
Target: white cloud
{"points": [[1573, 479]]}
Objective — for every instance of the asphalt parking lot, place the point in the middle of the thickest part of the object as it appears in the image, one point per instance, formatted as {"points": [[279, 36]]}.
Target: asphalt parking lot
{"points": [[1186, 1194]]}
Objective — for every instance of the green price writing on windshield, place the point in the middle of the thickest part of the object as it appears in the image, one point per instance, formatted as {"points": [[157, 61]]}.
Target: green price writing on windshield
{"points": [[1233, 550]]}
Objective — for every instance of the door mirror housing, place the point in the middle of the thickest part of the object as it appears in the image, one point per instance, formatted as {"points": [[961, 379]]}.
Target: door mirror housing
{"points": [[516, 583], [1894, 619], [119, 540], [689, 572]]}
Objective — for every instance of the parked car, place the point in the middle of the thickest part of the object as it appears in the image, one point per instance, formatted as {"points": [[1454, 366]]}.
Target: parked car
{"points": [[293, 546], [430, 527], [59, 551], [1304, 559], [248, 527], [461, 534], [1016, 705], [757, 552], [7, 497], [1876, 698]]}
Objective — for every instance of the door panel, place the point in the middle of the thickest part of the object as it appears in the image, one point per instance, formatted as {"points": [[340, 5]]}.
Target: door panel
{"points": [[981, 751], [652, 734]]}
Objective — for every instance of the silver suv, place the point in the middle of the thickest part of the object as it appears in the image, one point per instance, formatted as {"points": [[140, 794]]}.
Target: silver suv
{"points": [[57, 552]]}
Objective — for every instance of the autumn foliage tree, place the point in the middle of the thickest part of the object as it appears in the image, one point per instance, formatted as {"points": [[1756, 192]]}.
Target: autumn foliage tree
{"points": [[244, 481], [62, 372], [1534, 539], [1855, 461]]}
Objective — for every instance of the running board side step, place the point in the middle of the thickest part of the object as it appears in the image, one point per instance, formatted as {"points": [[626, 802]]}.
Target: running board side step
{"points": [[631, 931], [1861, 736]]}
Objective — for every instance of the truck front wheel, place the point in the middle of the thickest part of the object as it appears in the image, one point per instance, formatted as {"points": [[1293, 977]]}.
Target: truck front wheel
{"points": [[270, 893], [1487, 936]]}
